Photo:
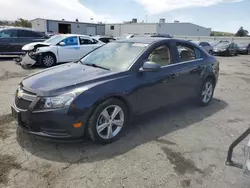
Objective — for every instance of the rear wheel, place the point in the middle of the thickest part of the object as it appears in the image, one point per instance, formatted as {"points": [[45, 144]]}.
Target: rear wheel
{"points": [[108, 121], [48, 59], [206, 92]]}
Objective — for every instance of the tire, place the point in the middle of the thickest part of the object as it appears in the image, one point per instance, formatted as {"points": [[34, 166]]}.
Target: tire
{"points": [[48, 59], [201, 97], [97, 118]]}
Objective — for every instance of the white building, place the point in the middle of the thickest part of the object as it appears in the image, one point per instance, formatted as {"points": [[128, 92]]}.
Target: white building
{"points": [[177, 28], [62, 26]]}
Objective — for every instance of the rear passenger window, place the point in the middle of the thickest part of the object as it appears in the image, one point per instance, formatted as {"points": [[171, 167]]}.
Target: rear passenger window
{"points": [[188, 53], [84, 41], [27, 34]]}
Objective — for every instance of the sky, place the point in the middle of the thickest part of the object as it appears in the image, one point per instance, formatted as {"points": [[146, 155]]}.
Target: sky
{"points": [[220, 15]]}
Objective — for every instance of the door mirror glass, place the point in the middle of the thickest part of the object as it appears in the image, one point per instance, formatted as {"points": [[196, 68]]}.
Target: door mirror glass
{"points": [[62, 44], [150, 66]]}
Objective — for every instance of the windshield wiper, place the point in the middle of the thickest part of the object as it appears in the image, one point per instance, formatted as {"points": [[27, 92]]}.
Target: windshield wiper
{"points": [[95, 65]]}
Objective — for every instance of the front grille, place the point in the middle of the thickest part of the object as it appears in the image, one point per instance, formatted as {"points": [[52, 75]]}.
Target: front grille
{"points": [[24, 98], [22, 104]]}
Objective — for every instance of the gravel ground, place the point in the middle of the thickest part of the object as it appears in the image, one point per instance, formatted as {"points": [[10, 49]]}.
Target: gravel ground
{"points": [[182, 146]]}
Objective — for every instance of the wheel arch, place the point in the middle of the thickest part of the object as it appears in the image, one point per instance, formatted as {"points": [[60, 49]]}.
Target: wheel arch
{"points": [[119, 97]]}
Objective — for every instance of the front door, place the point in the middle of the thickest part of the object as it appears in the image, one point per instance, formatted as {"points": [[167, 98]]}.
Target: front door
{"points": [[155, 87], [70, 51]]}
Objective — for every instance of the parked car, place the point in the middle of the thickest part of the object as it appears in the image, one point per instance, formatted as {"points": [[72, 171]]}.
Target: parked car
{"points": [[216, 42], [105, 39], [226, 48], [244, 48], [205, 45], [100, 94], [13, 39], [58, 49], [161, 35]]}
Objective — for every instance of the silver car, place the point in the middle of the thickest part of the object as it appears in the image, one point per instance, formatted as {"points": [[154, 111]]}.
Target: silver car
{"points": [[205, 45]]}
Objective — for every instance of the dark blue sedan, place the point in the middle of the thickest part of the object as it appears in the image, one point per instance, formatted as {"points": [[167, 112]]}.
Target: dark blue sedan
{"points": [[98, 95]]}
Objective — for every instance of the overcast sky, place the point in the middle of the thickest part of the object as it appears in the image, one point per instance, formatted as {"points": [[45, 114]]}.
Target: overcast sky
{"points": [[222, 15]]}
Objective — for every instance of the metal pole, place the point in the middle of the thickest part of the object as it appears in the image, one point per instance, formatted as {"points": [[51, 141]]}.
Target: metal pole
{"points": [[229, 161]]}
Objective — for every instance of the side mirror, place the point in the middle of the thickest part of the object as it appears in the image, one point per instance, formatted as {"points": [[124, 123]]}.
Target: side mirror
{"points": [[149, 66], [62, 44]]}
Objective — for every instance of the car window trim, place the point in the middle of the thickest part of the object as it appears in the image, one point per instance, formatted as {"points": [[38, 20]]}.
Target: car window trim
{"points": [[184, 62]]}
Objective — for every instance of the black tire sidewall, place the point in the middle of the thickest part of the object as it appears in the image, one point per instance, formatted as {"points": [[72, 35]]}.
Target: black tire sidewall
{"points": [[200, 99], [48, 54], [94, 136]]}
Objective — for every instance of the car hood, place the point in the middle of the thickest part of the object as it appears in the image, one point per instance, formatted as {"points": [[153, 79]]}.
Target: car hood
{"points": [[34, 45], [63, 78]]}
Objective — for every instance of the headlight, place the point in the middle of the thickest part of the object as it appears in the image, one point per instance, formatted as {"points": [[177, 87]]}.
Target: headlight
{"points": [[223, 49], [59, 101]]}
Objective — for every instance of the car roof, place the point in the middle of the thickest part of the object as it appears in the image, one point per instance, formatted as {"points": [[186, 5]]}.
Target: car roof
{"points": [[151, 40], [20, 28], [73, 35], [102, 36]]}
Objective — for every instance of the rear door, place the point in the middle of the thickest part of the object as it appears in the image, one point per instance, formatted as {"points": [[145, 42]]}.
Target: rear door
{"points": [[87, 45], [7, 41], [70, 51]]}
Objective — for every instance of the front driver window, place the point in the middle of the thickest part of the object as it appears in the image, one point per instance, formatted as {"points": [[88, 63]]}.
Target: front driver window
{"points": [[70, 41], [160, 55]]}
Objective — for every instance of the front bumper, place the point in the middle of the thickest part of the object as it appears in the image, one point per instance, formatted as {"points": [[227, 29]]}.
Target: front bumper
{"points": [[29, 59], [220, 52], [245, 51], [51, 124]]}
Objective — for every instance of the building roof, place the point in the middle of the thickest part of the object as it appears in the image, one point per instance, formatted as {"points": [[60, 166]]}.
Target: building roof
{"points": [[166, 23], [65, 21]]}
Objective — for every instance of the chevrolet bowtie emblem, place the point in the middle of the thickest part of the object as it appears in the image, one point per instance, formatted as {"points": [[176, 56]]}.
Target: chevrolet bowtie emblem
{"points": [[20, 93]]}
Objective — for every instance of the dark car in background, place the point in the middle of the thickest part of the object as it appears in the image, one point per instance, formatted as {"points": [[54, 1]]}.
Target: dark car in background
{"points": [[13, 39], [105, 39], [98, 95], [244, 48], [205, 45], [226, 48]]}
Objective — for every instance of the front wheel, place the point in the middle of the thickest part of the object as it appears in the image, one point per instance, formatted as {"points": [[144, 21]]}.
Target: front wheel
{"points": [[48, 59], [206, 92], [107, 122]]}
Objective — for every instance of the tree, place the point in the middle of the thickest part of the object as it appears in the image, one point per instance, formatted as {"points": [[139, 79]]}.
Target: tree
{"points": [[241, 32], [22, 23]]}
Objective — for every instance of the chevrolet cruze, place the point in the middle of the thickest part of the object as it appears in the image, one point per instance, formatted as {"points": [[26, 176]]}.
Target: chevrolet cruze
{"points": [[99, 94]]}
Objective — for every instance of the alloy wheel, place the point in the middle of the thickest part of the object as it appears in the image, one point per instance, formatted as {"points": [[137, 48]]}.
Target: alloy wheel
{"points": [[110, 122], [207, 92], [48, 60]]}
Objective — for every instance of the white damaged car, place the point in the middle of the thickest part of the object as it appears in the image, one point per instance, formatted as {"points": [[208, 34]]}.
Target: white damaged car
{"points": [[58, 49]]}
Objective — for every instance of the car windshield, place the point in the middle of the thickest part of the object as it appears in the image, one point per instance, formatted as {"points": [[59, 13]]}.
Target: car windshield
{"points": [[55, 39], [115, 55]]}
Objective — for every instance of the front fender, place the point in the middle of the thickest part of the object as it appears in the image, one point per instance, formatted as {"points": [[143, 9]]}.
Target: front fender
{"points": [[121, 88]]}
